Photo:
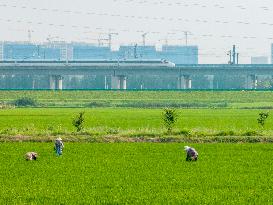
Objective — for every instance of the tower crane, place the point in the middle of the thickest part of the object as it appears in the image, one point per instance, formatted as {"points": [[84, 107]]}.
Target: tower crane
{"points": [[144, 38]]}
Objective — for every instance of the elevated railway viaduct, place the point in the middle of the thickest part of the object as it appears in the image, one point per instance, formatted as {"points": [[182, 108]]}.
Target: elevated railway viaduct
{"points": [[116, 73]]}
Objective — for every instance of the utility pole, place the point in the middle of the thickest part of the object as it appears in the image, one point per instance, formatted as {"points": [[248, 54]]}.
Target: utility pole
{"points": [[135, 51], [233, 55], [229, 54], [144, 38]]}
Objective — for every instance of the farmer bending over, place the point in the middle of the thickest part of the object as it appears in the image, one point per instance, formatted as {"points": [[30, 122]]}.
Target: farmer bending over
{"points": [[192, 154]]}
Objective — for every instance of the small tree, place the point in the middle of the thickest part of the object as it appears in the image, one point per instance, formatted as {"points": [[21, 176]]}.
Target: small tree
{"points": [[262, 118], [170, 117], [78, 121]]}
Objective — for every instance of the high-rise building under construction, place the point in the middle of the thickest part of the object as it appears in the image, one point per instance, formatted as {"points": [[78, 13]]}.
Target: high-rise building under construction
{"points": [[85, 51]]}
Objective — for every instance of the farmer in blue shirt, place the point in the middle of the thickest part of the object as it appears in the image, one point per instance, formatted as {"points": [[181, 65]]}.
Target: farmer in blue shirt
{"points": [[59, 145]]}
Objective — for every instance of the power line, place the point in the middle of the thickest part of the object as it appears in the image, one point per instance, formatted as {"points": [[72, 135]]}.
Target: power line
{"points": [[188, 4], [177, 32], [159, 18]]}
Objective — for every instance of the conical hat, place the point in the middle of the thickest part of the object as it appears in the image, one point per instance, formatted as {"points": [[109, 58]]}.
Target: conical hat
{"points": [[186, 147]]}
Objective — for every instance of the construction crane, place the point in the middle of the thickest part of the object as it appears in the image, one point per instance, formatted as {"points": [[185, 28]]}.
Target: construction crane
{"points": [[109, 39], [51, 38], [29, 35], [144, 38], [186, 33], [100, 40], [166, 41]]}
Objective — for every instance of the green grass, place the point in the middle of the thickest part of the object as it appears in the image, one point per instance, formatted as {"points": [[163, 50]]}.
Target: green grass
{"points": [[145, 99], [116, 113], [126, 122], [139, 173]]}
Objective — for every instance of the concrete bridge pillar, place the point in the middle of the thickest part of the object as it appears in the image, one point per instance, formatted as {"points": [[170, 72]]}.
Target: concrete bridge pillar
{"points": [[119, 82], [180, 83], [52, 82], [106, 86], [211, 81], [188, 83], [251, 82], [59, 82], [33, 83], [123, 82], [184, 82], [56, 82], [114, 82]]}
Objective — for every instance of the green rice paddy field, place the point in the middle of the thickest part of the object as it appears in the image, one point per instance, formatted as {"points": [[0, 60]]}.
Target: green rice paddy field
{"points": [[131, 118], [145, 99], [136, 173]]}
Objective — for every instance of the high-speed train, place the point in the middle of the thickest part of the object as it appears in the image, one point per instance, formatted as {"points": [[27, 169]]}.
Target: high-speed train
{"points": [[124, 62]]}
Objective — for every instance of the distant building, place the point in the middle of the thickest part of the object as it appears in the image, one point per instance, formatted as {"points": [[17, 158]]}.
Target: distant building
{"points": [[23, 50], [180, 54], [259, 60], [141, 52], [86, 51], [66, 51], [175, 54], [89, 51], [20, 50]]}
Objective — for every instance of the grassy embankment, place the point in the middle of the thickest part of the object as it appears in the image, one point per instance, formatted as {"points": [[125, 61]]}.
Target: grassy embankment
{"points": [[127, 124], [136, 174]]}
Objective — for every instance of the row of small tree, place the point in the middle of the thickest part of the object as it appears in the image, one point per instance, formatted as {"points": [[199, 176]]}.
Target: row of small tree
{"points": [[169, 117]]}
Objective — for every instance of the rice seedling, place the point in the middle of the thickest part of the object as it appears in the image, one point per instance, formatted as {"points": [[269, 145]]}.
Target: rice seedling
{"points": [[136, 173]]}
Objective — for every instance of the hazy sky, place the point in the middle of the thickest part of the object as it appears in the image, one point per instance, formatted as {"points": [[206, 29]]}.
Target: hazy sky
{"points": [[214, 25]]}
